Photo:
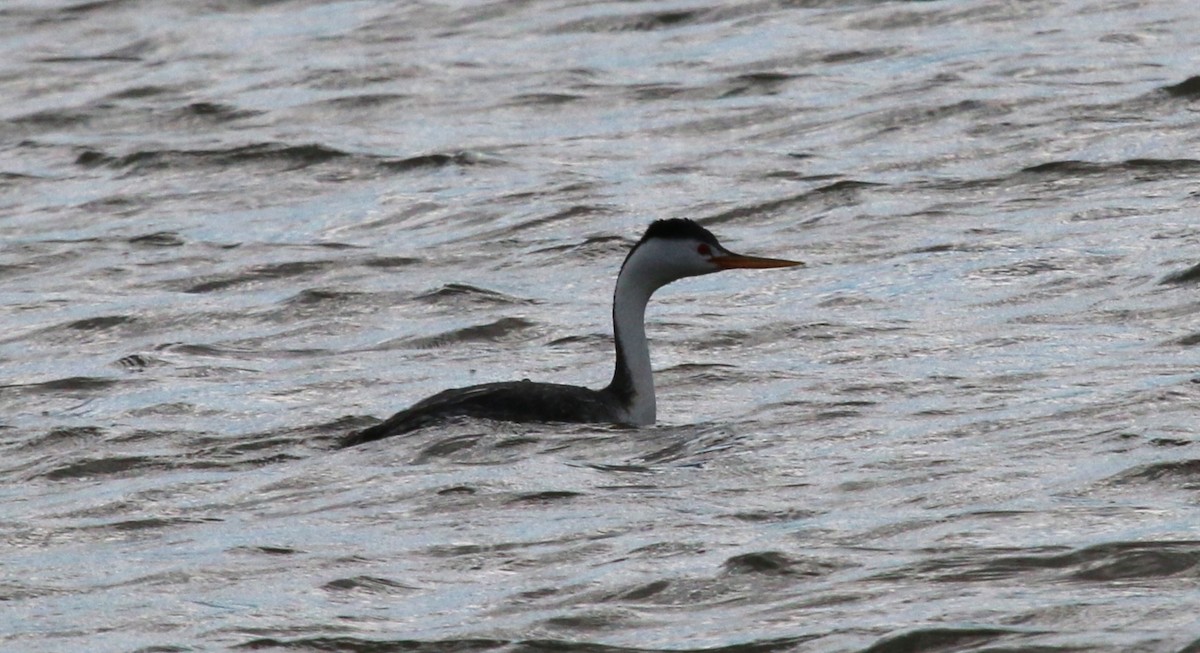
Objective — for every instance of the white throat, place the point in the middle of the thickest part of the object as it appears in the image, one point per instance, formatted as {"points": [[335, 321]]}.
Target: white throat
{"points": [[650, 266], [633, 351]]}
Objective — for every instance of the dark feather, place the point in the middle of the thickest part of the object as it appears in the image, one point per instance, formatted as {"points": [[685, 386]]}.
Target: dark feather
{"points": [[679, 228], [515, 401]]}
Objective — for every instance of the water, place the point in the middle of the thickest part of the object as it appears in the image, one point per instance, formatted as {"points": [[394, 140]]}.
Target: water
{"points": [[232, 231]]}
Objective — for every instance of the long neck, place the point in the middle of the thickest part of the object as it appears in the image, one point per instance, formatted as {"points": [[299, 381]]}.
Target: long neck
{"points": [[633, 381]]}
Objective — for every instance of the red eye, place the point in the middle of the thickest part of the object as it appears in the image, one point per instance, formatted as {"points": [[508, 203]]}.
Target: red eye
{"points": [[704, 250]]}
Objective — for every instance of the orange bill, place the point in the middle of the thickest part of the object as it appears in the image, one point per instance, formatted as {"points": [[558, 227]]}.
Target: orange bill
{"points": [[732, 261]]}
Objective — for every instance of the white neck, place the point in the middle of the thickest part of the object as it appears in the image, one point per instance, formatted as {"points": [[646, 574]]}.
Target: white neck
{"points": [[647, 269], [635, 383]]}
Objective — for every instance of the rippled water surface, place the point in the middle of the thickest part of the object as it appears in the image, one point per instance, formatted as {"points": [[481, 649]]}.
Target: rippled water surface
{"points": [[232, 231]]}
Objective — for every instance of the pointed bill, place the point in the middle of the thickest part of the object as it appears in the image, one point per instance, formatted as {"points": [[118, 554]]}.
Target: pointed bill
{"points": [[731, 261]]}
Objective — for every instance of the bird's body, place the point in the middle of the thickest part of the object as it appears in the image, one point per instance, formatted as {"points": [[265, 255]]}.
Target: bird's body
{"points": [[670, 250], [510, 401]]}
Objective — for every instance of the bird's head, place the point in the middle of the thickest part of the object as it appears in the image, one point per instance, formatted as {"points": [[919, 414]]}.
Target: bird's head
{"points": [[678, 248]]}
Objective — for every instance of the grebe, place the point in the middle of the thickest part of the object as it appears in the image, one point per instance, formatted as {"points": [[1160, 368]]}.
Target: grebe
{"points": [[670, 250]]}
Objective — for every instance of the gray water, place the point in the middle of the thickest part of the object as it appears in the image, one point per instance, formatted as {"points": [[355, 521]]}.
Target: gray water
{"points": [[232, 231]]}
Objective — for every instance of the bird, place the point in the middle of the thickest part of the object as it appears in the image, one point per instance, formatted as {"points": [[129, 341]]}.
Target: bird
{"points": [[670, 249]]}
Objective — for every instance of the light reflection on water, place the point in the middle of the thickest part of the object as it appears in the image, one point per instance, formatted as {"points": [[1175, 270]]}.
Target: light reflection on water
{"points": [[968, 422]]}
